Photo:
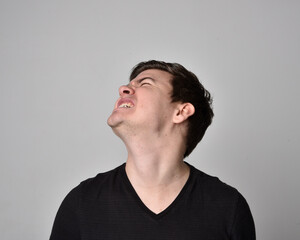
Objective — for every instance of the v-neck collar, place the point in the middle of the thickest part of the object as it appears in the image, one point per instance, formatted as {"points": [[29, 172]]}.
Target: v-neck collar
{"points": [[156, 216]]}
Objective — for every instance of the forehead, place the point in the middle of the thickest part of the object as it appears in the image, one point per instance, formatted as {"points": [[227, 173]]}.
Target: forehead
{"points": [[156, 75]]}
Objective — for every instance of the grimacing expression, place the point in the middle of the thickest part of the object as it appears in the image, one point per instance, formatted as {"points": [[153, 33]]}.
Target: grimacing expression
{"points": [[145, 103], [186, 88]]}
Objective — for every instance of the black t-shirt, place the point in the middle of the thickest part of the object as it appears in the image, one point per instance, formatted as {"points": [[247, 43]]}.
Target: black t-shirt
{"points": [[107, 207]]}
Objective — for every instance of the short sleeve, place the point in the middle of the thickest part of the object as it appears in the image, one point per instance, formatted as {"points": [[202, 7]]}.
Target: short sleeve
{"points": [[243, 227], [66, 225]]}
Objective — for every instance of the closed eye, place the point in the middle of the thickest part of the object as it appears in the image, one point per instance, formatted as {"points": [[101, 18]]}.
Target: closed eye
{"points": [[145, 83]]}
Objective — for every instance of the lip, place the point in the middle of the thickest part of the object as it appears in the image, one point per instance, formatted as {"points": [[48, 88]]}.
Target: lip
{"points": [[124, 100]]}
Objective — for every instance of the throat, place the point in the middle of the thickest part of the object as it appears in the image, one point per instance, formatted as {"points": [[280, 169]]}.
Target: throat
{"points": [[157, 197]]}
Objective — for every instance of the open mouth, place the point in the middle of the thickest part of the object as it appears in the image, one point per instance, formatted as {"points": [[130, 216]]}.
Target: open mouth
{"points": [[125, 103]]}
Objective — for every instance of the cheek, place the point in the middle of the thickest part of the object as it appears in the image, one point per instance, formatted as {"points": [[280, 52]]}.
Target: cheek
{"points": [[154, 103]]}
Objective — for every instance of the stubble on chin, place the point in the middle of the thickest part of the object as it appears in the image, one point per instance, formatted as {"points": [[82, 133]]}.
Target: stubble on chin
{"points": [[122, 129], [112, 121]]}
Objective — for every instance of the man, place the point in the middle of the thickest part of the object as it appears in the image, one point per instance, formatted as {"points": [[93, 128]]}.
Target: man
{"points": [[161, 116]]}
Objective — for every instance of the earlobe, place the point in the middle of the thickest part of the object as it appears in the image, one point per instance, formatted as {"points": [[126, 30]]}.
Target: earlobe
{"points": [[183, 112]]}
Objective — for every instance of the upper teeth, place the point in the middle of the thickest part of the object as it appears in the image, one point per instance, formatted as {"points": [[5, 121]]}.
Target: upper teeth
{"points": [[125, 105]]}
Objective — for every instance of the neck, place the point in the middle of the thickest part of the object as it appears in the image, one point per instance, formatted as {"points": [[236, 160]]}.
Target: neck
{"points": [[154, 162], [155, 167]]}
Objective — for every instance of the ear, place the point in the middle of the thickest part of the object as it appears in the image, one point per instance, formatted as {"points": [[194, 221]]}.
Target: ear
{"points": [[183, 112]]}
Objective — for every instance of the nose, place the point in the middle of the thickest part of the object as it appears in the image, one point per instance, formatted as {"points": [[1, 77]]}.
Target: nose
{"points": [[126, 89]]}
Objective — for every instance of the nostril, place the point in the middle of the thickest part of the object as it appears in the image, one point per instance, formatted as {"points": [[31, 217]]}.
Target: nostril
{"points": [[125, 90]]}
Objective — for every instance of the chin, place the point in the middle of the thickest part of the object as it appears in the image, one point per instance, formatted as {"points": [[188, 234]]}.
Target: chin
{"points": [[114, 121], [110, 121]]}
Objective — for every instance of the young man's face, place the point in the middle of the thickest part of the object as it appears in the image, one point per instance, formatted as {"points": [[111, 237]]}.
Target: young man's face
{"points": [[144, 104]]}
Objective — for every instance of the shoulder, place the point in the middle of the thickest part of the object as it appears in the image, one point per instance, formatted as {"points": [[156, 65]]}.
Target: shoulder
{"points": [[224, 202], [101, 181], [90, 190], [94, 186], [213, 191]]}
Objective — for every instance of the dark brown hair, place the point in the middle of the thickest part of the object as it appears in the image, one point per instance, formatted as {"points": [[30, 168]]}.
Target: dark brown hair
{"points": [[186, 88]]}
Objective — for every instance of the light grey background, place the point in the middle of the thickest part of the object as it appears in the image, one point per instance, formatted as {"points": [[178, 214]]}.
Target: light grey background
{"points": [[61, 63]]}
